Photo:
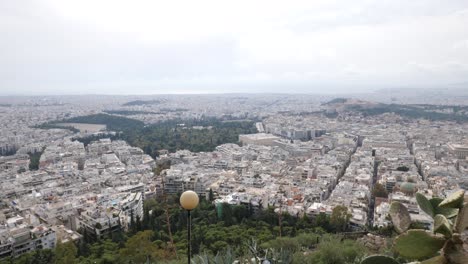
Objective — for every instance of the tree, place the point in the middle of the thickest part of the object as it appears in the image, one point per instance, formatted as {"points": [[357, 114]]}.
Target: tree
{"points": [[240, 212], [103, 252], [211, 195], [379, 191], [403, 168], [42, 256], [283, 243], [146, 218], [34, 159], [303, 222], [138, 223], [227, 214], [140, 249], [340, 218], [322, 220], [132, 222], [65, 253], [83, 247], [118, 237], [332, 250]]}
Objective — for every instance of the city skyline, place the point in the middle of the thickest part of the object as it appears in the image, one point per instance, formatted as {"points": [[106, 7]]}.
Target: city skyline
{"points": [[323, 131]]}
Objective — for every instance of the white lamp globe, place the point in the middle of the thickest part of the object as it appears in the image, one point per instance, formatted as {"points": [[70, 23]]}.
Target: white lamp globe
{"points": [[189, 200]]}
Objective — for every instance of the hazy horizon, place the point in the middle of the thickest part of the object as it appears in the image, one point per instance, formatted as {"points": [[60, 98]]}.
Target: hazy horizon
{"points": [[57, 47], [457, 91]]}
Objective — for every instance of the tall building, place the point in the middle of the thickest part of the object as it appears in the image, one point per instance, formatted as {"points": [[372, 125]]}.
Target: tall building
{"points": [[460, 151]]}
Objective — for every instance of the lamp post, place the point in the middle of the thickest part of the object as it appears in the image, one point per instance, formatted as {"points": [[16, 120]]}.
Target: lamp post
{"points": [[189, 201]]}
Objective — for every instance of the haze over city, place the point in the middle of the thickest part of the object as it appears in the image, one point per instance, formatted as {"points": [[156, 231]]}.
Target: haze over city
{"points": [[158, 47], [234, 132]]}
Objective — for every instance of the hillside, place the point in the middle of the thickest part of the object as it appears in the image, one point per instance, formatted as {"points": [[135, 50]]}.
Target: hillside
{"points": [[418, 111]]}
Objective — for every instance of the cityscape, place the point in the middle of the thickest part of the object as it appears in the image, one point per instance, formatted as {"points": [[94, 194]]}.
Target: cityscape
{"points": [[308, 155], [234, 132]]}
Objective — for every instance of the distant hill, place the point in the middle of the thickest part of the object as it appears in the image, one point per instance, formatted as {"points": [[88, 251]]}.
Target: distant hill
{"points": [[424, 111], [142, 102], [127, 112], [336, 101], [429, 112], [114, 123], [348, 102]]}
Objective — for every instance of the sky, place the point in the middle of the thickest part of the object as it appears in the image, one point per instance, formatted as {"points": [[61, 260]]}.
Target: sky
{"points": [[160, 47]]}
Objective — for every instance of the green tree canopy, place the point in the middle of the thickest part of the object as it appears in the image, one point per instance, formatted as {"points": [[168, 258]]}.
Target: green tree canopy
{"points": [[340, 218], [379, 191], [140, 248], [65, 253]]}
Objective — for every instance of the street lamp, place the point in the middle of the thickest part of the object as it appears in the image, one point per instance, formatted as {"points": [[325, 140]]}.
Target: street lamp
{"points": [[189, 201]]}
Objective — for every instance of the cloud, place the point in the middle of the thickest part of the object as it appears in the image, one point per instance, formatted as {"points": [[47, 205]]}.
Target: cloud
{"points": [[68, 47]]}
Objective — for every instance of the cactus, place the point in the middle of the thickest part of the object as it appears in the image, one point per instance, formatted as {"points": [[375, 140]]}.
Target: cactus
{"points": [[454, 252], [455, 200], [425, 204], [418, 244], [462, 219], [435, 260], [448, 212], [226, 257], [279, 256], [442, 226], [203, 259], [450, 218], [379, 259], [400, 217]]}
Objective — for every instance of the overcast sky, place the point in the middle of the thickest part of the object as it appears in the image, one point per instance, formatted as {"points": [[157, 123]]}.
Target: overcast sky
{"points": [[151, 47]]}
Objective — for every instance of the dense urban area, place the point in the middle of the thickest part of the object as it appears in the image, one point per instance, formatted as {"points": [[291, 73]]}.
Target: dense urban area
{"points": [[283, 178]]}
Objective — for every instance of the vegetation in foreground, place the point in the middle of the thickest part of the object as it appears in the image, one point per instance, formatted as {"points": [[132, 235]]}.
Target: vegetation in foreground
{"points": [[236, 233], [442, 245]]}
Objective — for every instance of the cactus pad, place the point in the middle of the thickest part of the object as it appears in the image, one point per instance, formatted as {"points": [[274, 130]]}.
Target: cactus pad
{"points": [[418, 244], [455, 200], [425, 204], [442, 226], [448, 212], [400, 217], [379, 259], [462, 219], [435, 260]]}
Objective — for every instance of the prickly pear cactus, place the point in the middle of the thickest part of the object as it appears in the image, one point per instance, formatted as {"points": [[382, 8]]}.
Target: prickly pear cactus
{"points": [[454, 252], [418, 244], [425, 204], [435, 260], [455, 200], [442, 226], [379, 259], [400, 217], [448, 212], [462, 219], [450, 219]]}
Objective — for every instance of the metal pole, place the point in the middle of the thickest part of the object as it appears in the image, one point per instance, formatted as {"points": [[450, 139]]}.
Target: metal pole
{"points": [[189, 241]]}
